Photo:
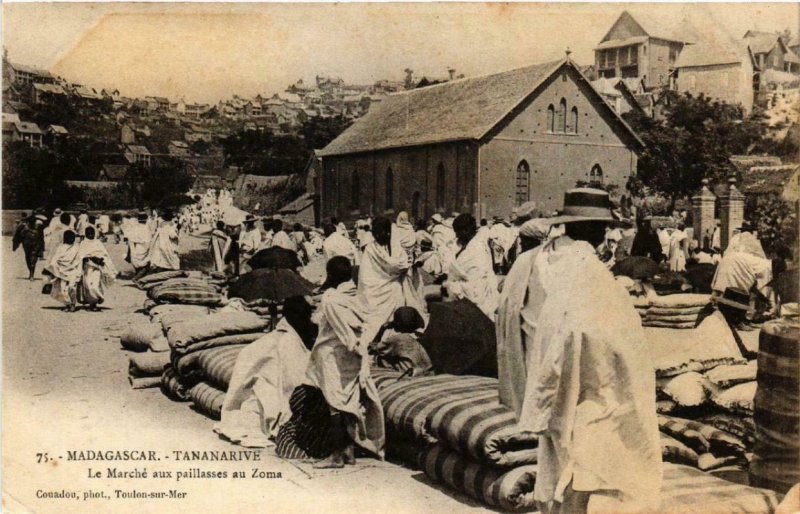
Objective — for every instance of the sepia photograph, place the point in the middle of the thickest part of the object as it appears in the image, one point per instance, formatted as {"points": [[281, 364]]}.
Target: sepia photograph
{"points": [[400, 257]]}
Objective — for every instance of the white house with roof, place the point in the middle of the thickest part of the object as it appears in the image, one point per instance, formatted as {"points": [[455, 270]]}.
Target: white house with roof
{"points": [[643, 46], [28, 132]]}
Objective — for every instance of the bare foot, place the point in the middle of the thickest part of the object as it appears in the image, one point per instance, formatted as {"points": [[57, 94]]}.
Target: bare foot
{"points": [[335, 461], [350, 454]]}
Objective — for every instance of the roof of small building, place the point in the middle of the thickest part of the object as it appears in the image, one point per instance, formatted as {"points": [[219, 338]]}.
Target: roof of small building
{"points": [[668, 28], [716, 46], [791, 57], [27, 127], [138, 149], [463, 109], [768, 179], [115, 171], [31, 70], [761, 42], [300, 203], [58, 129], [54, 89], [614, 43]]}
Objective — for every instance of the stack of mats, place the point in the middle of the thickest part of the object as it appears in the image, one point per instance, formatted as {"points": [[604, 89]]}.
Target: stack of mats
{"points": [[456, 431], [187, 290], [203, 352], [672, 311]]}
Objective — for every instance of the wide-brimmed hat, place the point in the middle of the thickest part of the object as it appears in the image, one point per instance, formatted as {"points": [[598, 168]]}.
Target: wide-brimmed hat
{"points": [[734, 297], [249, 219], [141, 216], [584, 204], [437, 218]]}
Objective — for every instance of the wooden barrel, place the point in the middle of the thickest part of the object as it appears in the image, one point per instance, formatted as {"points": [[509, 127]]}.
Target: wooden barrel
{"points": [[776, 454]]}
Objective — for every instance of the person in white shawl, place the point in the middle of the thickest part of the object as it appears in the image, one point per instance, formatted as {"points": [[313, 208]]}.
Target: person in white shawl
{"points": [[65, 268], [249, 238], [404, 239], [138, 236], [281, 239], [339, 367], [336, 244], [443, 240], [587, 387], [54, 233], [264, 377], [99, 271], [163, 252], [470, 275], [380, 278], [746, 242], [218, 244]]}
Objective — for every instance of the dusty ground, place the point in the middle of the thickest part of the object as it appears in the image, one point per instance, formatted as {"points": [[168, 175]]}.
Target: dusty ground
{"points": [[65, 388]]}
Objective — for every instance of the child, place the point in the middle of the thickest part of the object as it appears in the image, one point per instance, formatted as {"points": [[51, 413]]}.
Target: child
{"points": [[397, 344]]}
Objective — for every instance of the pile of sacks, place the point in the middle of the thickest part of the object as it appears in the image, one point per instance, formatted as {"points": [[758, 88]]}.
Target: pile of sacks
{"points": [[671, 311], [202, 354]]}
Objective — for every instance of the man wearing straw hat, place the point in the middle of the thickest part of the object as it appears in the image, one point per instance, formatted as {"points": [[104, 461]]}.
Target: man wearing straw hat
{"points": [[573, 366]]}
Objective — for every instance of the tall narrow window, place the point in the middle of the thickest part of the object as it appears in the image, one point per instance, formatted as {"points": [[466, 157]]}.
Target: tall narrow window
{"points": [[389, 189], [415, 205], [355, 191], [522, 190], [440, 184], [551, 118], [596, 174], [561, 126], [574, 120]]}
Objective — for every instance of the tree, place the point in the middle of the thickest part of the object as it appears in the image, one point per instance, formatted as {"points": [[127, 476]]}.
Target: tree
{"points": [[693, 141], [149, 185], [32, 177]]}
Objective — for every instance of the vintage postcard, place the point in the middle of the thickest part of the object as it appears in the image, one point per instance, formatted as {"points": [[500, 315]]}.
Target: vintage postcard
{"points": [[400, 257]]}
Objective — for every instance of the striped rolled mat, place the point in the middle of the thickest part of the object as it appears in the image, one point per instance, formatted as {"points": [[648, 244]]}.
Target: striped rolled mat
{"points": [[686, 490], [776, 407], [207, 399], [461, 412], [510, 490], [172, 386], [216, 365]]}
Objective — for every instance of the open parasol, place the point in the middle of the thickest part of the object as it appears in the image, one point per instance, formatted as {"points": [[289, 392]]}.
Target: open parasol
{"points": [[636, 267], [460, 339], [271, 285], [275, 257]]}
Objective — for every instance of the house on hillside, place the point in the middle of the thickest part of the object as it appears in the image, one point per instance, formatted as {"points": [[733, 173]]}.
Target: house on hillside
{"points": [[771, 52], [47, 92], [28, 132], [137, 153], [483, 145], [718, 67], [21, 74], [642, 46]]}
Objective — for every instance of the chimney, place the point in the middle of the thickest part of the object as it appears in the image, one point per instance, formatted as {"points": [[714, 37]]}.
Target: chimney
{"points": [[452, 73]]}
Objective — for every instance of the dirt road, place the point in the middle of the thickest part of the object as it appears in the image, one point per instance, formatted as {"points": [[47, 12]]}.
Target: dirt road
{"points": [[65, 389]]}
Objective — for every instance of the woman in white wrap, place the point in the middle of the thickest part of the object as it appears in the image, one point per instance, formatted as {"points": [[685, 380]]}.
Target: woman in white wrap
{"points": [[404, 239], [266, 372], [380, 276], [65, 268], [218, 244], [471, 275], [98, 270], [339, 367], [163, 252]]}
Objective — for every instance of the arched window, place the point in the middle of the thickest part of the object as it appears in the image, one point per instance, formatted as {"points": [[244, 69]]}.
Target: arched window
{"points": [[596, 174], [389, 188], [355, 191], [415, 205], [551, 118], [440, 185], [574, 120], [522, 191], [561, 125]]}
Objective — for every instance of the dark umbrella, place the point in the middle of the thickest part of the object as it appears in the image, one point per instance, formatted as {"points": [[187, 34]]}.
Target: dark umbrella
{"points": [[275, 257], [272, 285], [636, 267], [460, 339]]}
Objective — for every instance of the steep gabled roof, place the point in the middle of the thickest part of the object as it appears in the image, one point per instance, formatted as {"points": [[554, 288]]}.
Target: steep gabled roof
{"points": [[715, 46], [668, 28], [762, 42], [463, 109]]}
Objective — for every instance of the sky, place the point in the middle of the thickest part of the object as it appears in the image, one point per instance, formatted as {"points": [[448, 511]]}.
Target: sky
{"points": [[207, 52]]}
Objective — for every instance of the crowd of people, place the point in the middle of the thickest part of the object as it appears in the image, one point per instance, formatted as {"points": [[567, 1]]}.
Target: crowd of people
{"points": [[570, 360]]}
